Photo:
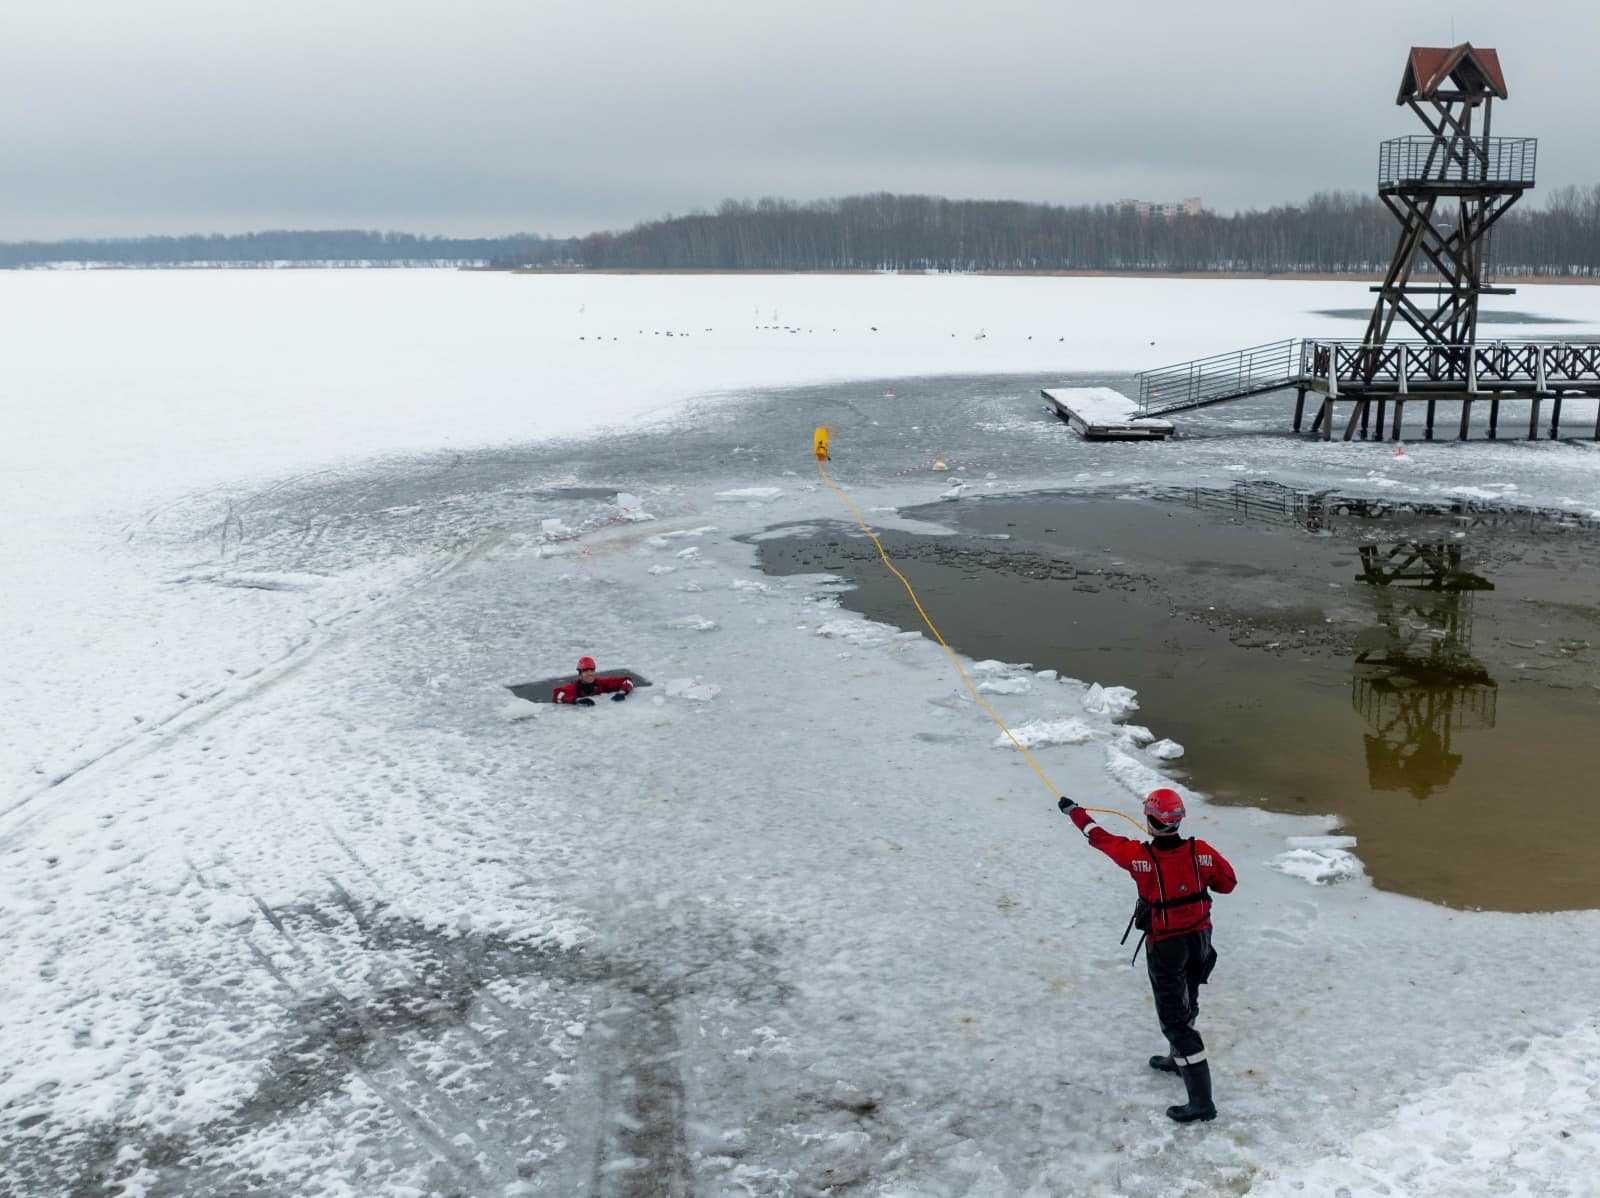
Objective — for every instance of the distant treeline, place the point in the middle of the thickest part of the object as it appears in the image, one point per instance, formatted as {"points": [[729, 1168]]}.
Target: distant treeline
{"points": [[1334, 232], [354, 247]]}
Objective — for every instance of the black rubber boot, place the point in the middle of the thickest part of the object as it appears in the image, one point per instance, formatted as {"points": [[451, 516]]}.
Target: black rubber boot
{"points": [[1166, 1064], [1197, 1081]]}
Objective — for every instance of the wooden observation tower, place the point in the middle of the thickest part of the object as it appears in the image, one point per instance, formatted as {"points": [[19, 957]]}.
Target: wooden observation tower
{"points": [[1447, 188], [1456, 164]]}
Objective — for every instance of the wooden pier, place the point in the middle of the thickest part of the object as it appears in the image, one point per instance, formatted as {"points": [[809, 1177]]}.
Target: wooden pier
{"points": [[1101, 414]]}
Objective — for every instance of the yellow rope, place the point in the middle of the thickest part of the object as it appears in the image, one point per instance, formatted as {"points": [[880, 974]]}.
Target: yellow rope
{"points": [[951, 653]]}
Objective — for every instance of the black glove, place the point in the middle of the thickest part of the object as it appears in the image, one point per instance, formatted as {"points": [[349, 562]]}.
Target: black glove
{"points": [[619, 696], [1066, 805], [583, 702]]}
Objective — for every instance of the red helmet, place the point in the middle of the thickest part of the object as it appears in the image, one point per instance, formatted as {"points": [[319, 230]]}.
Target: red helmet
{"points": [[587, 663], [1164, 806]]}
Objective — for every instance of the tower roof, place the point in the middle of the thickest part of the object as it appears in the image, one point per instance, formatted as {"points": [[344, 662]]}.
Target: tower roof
{"points": [[1473, 71]]}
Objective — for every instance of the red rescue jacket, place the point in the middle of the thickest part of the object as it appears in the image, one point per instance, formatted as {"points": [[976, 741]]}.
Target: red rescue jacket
{"points": [[1163, 875], [602, 685]]}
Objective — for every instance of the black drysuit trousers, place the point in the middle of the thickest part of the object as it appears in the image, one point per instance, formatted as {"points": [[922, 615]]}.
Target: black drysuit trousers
{"points": [[1177, 968]]}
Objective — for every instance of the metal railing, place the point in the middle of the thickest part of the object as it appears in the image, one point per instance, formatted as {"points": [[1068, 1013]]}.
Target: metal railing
{"points": [[1418, 159], [1232, 375]]}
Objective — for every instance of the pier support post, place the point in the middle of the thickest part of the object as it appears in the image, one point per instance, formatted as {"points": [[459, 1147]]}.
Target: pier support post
{"points": [[1357, 409], [1466, 414], [1366, 417], [1299, 407], [1494, 418], [1327, 418], [1399, 409], [1428, 430], [1533, 421], [1555, 418]]}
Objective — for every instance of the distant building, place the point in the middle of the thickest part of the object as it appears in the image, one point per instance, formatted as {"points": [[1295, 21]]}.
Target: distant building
{"points": [[1162, 208]]}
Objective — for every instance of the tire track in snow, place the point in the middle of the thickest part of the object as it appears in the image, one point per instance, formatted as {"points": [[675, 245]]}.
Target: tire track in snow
{"points": [[641, 1146], [440, 1137]]}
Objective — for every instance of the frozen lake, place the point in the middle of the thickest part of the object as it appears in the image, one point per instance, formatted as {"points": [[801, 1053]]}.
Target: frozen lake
{"points": [[298, 901]]}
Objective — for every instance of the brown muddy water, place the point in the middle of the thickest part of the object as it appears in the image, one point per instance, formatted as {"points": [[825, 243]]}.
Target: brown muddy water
{"points": [[1428, 674]]}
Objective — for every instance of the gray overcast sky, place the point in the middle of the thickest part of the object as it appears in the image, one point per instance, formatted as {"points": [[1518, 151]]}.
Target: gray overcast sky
{"points": [[488, 116]]}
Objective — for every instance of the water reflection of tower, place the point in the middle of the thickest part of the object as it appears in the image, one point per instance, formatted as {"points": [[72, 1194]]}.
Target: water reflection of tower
{"points": [[1416, 682]]}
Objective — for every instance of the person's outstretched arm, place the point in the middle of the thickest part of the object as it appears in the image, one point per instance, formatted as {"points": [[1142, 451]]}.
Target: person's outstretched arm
{"points": [[1120, 849]]}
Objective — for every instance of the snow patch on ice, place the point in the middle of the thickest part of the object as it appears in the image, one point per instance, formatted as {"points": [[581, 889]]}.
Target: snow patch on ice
{"points": [[664, 537], [694, 624], [864, 634], [1526, 1124], [1318, 866], [694, 688], [750, 495]]}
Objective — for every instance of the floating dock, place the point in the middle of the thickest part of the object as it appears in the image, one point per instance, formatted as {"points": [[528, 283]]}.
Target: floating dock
{"points": [[1101, 414]]}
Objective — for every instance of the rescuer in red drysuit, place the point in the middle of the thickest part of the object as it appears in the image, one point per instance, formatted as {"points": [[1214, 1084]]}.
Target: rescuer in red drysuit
{"points": [[1175, 876], [588, 683]]}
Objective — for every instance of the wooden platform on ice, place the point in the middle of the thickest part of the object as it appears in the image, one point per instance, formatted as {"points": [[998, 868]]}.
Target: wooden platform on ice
{"points": [[1101, 414]]}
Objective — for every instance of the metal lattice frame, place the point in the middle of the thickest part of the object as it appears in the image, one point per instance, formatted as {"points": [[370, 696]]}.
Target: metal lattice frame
{"points": [[1485, 176]]}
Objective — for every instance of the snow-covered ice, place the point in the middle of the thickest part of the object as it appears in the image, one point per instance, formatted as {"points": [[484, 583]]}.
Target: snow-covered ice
{"points": [[298, 902]]}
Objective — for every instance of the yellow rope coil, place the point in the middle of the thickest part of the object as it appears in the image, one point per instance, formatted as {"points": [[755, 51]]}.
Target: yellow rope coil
{"points": [[822, 457]]}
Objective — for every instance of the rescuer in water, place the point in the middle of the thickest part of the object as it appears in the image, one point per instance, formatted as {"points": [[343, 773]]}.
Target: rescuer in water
{"points": [[588, 684], [1175, 876]]}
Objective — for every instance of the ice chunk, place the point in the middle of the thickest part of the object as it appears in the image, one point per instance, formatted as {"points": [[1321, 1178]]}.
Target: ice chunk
{"points": [[1320, 842], [750, 495], [554, 527], [1004, 686], [1133, 774], [1037, 734], [519, 709], [632, 507], [1318, 866], [662, 569], [1167, 750], [1114, 701], [863, 633]]}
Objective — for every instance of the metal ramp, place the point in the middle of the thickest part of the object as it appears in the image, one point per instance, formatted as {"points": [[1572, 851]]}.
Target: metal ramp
{"points": [[1235, 375]]}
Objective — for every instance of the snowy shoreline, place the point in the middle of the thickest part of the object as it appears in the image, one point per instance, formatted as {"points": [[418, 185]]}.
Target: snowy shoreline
{"points": [[806, 876]]}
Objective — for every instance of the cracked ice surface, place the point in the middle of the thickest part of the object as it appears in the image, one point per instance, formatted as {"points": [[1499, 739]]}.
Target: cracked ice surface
{"points": [[327, 921]]}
